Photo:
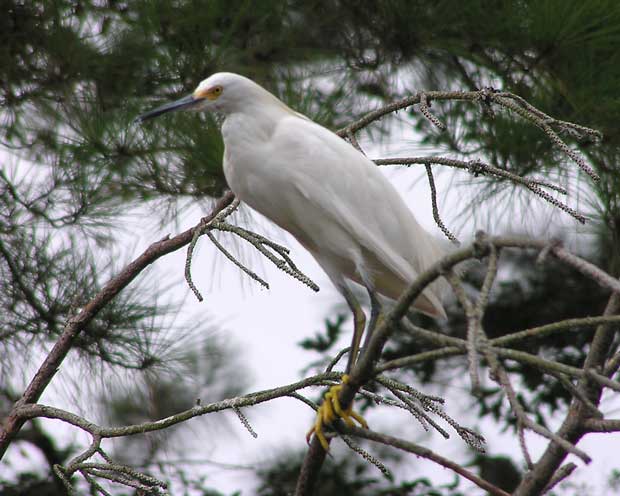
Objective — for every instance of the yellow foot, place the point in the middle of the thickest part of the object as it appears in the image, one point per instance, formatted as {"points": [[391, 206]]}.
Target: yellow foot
{"points": [[330, 410]]}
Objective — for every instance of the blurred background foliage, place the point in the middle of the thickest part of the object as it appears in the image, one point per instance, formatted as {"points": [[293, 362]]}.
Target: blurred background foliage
{"points": [[75, 74]]}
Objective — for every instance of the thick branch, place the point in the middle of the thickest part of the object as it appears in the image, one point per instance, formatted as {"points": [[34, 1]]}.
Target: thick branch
{"points": [[29, 411]]}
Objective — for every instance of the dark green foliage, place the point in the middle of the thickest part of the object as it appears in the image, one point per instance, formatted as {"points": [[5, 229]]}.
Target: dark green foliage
{"points": [[323, 342], [345, 476], [498, 470]]}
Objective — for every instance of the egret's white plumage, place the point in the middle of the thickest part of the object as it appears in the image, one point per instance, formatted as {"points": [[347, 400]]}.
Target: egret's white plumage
{"points": [[323, 191], [319, 188]]}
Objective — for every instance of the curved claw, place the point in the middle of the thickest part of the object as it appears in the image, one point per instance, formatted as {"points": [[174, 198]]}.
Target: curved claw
{"points": [[360, 420], [317, 430]]}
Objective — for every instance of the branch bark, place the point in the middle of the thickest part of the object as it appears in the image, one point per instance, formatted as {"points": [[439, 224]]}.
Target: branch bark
{"points": [[575, 424]]}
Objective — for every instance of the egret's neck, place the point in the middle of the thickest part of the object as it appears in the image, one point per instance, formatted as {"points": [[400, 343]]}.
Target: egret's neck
{"points": [[254, 123]]}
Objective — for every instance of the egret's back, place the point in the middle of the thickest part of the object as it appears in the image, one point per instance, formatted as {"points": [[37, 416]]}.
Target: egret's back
{"points": [[334, 200]]}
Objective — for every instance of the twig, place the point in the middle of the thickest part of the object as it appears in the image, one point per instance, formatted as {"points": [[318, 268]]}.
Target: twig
{"points": [[123, 469], [577, 418], [547, 329], [111, 471], [431, 404], [587, 268], [94, 484], [203, 227], [601, 425], [229, 256], [581, 131], [59, 472], [543, 124], [305, 400], [502, 378], [436, 216], [337, 358], [561, 474], [578, 393], [353, 140], [188, 265], [473, 325], [244, 420], [367, 456], [425, 453], [259, 242], [534, 185], [26, 412], [602, 380], [523, 445], [406, 388], [426, 112]]}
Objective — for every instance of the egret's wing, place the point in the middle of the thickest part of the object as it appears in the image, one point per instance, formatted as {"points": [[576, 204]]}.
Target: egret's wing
{"points": [[336, 196]]}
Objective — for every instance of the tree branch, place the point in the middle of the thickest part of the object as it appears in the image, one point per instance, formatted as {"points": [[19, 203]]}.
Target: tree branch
{"points": [[423, 453], [74, 325]]}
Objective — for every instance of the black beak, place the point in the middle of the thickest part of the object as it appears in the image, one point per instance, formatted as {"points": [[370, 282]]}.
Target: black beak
{"points": [[181, 104]]}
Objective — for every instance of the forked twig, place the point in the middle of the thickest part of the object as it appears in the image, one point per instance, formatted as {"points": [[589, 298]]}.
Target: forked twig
{"points": [[479, 167]]}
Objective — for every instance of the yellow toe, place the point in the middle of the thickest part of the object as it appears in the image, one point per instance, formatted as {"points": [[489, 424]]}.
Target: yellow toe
{"points": [[330, 410], [359, 418]]}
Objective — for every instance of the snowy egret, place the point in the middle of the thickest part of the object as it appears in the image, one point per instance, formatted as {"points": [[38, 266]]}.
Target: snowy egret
{"points": [[324, 192]]}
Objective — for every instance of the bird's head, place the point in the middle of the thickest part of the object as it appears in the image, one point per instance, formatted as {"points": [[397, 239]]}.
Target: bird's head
{"points": [[223, 92]]}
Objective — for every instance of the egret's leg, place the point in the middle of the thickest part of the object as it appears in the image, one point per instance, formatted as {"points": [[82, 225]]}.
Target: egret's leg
{"points": [[359, 323], [331, 409], [375, 316]]}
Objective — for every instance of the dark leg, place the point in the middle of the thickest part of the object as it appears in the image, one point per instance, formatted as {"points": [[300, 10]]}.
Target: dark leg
{"points": [[375, 316], [359, 322], [330, 409]]}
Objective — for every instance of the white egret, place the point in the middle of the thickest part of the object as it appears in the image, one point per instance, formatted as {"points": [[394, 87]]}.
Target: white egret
{"points": [[324, 192]]}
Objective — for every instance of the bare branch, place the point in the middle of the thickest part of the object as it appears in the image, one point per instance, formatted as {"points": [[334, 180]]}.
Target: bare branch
{"points": [[261, 244], [601, 425], [526, 113], [353, 140], [424, 453], [229, 256], [502, 378], [562, 473], [572, 427], [30, 411], [479, 167]]}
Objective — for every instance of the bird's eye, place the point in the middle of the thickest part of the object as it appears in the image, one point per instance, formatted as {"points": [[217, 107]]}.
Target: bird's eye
{"points": [[217, 90]]}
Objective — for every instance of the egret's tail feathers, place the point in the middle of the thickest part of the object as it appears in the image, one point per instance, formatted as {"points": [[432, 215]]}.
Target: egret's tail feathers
{"points": [[428, 304]]}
